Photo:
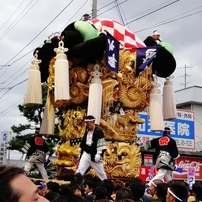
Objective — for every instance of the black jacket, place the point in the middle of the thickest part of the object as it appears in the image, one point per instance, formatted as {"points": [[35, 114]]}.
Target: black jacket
{"points": [[36, 143], [97, 135]]}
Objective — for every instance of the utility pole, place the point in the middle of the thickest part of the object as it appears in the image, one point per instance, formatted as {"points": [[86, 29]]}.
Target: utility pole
{"points": [[186, 75], [94, 9]]}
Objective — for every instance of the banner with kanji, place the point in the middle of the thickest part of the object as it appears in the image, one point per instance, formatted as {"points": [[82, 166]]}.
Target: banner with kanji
{"points": [[112, 53]]}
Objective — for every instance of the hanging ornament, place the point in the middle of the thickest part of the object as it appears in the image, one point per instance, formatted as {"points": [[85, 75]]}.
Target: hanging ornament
{"points": [[61, 90], [34, 90], [155, 108], [95, 95], [169, 106], [48, 121]]}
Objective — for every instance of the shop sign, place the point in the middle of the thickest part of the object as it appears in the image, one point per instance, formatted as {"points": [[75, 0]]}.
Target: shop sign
{"points": [[187, 164], [146, 173], [182, 129], [148, 160]]}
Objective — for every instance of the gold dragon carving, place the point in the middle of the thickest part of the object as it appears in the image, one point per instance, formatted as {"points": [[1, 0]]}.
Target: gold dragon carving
{"points": [[71, 124], [122, 158]]}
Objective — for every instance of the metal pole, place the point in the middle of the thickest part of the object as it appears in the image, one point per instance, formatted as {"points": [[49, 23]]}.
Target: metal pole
{"points": [[94, 9], [185, 76]]}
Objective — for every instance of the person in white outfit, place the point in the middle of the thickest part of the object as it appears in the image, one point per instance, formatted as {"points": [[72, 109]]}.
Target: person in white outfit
{"points": [[91, 149]]}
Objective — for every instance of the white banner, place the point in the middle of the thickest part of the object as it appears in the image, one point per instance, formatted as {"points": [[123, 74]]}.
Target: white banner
{"points": [[4, 139]]}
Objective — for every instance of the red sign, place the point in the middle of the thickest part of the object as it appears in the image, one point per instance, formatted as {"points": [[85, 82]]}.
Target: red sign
{"points": [[184, 164], [146, 173]]}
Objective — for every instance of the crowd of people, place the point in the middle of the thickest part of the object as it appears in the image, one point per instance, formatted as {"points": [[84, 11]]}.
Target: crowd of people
{"points": [[16, 186]]}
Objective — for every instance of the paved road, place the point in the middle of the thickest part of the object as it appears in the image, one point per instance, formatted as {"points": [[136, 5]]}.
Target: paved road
{"points": [[21, 163]]}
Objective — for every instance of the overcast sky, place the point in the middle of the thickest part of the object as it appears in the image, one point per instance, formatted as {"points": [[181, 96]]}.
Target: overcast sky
{"points": [[25, 24]]}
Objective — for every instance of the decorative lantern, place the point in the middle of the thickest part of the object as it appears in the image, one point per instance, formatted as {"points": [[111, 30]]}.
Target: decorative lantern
{"points": [[48, 121], [34, 90], [169, 106], [95, 95], [155, 109], [61, 90]]}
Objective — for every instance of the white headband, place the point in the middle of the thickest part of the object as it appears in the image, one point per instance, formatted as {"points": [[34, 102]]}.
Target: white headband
{"points": [[156, 33], [153, 183], [174, 194], [88, 120]]}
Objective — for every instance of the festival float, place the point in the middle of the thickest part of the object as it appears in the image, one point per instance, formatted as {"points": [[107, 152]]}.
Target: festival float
{"points": [[75, 66]]}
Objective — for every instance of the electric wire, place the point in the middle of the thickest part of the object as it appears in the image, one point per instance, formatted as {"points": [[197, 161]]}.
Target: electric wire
{"points": [[25, 65], [10, 108], [38, 34], [28, 44], [124, 17], [14, 22], [2, 126], [110, 8], [147, 14], [122, 2], [13, 87], [107, 5], [134, 16], [17, 71], [73, 15], [12, 14], [119, 12], [60, 30], [168, 21], [41, 44]]}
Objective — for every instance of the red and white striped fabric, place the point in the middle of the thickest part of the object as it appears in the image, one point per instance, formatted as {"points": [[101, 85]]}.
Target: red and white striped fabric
{"points": [[126, 37]]}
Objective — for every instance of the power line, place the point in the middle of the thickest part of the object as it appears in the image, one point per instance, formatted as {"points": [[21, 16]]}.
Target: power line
{"points": [[151, 12], [32, 51], [73, 15], [13, 87], [125, 20], [2, 126], [61, 29], [17, 71], [168, 21], [38, 33], [12, 15], [111, 8], [11, 107], [6, 87], [119, 12], [106, 5], [14, 22]]}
